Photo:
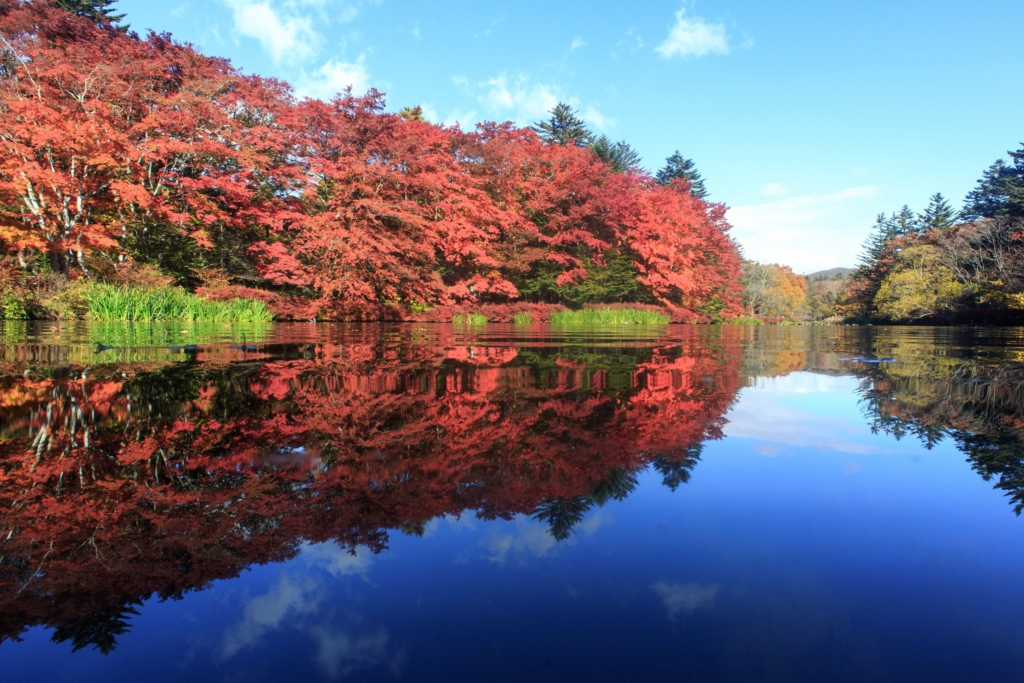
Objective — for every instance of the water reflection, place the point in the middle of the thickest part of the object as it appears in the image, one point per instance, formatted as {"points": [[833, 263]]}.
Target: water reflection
{"points": [[142, 470]]}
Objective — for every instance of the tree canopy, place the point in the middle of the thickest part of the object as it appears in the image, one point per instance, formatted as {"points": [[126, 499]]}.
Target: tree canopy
{"points": [[564, 127], [678, 167], [229, 182], [99, 11]]}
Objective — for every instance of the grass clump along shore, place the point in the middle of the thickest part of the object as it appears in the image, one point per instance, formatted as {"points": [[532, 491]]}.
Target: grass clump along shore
{"points": [[469, 319], [523, 318], [610, 316], [105, 303]]}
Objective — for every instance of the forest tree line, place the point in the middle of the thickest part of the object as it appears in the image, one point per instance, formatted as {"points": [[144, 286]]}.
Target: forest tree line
{"points": [[939, 266], [139, 161]]}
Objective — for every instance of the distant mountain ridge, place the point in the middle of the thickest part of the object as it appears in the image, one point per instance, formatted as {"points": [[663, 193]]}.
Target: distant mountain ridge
{"points": [[830, 274]]}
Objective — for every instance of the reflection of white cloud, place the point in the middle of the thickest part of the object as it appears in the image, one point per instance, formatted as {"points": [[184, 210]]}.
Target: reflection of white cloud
{"points": [[340, 654], [763, 413], [693, 37], [337, 561], [333, 77], [266, 613], [532, 539], [685, 598], [809, 232]]}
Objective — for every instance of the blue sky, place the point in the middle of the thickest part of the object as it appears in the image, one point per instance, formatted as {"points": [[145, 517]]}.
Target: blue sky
{"points": [[808, 118]]}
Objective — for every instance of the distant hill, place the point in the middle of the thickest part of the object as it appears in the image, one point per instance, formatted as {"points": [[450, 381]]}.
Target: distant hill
{"points": [[830, 274]]}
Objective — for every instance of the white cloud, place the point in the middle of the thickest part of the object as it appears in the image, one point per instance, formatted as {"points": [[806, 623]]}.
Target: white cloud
{"points": [[525, 101], [333, 77], [685, 598], [774, 190], [598, 120], [577, 43], [286, 39], [525, 98], [694, 38], [465, 119], [808, 232]]}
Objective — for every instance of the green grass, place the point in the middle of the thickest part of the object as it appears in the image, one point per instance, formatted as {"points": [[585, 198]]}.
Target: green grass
{"points": [[108, 303], [469, 319], [746, 321], [610, 316], [522, 318]]}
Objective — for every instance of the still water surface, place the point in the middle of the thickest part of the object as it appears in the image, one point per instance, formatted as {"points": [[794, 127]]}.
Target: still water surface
{"points": [[433, 503]]}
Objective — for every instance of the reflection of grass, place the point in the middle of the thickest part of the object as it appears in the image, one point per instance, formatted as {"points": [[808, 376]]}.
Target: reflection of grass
{"points": [[469, 319], [109, 303], [610, 316], [522, 318], [110, 342]]}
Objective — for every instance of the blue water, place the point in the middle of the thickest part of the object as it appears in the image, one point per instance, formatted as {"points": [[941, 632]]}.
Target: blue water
{"points": [[804, 547]]}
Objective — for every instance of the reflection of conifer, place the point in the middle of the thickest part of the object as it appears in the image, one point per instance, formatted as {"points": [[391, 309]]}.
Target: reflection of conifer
{"points": [[616, 485], [999, 456], [414, 528], [675, 470], [562, 514], [99, 629]]}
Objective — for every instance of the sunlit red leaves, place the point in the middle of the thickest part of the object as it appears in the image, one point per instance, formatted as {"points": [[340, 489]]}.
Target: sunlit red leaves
{"points": [[361, 210]]}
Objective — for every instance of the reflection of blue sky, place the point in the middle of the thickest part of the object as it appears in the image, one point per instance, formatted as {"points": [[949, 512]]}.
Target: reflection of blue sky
{"points": [[802, 409], [782, 568], [526, 538], [683, 599], [303, 601]]}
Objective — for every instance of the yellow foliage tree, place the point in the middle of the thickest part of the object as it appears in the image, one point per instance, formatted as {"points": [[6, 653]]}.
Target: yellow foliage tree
{"points": [[919, 287], [773, 291]]}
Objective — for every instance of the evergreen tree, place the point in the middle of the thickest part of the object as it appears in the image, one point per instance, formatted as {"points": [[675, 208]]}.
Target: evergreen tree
{"points": [[98, 11], [1000, 191], [564, 127], [939, 215], [619, 155], [677, 166], [879, 255], [411, 113], [904, 222]]}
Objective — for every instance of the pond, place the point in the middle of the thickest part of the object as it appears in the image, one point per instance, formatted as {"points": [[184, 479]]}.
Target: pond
{"points": [[509, 503]]}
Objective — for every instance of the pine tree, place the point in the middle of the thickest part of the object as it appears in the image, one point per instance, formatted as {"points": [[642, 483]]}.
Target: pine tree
{"points": [[1000, 191], [619, 155], [411, 114], [564, 127], [904, 222], [677, 166], [879, 255], [939, 215], [98, 11]]}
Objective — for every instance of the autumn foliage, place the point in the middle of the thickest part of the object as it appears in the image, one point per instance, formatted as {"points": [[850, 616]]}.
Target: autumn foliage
{"points": [[116, 149]]}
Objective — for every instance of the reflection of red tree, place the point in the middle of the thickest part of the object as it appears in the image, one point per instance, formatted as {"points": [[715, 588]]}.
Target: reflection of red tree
{"points": [[121, 485]]}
